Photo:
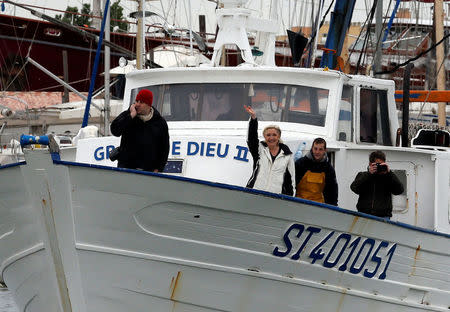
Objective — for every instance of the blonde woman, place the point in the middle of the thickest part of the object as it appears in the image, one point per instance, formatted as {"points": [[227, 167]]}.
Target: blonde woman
{"points": [[273, 161]]}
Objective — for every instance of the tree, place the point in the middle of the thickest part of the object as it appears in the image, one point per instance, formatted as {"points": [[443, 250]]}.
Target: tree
{"points": [[71, 16], [117, 13], [83, 20]]}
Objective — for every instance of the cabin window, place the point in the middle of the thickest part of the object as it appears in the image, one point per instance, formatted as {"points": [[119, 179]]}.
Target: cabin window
{"points": [[374, 117], [400, 202], [345, 122], [220, 101]]}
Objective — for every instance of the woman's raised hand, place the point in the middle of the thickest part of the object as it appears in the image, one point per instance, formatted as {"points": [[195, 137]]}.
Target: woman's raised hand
{"points": [[250, 111]]}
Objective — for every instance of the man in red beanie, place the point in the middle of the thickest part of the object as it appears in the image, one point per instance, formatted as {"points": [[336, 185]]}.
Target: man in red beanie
{"points": [[145, 136]]}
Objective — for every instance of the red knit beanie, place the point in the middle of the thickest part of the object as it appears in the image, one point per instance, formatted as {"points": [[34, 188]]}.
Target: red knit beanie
{"points": [[145, 96]]}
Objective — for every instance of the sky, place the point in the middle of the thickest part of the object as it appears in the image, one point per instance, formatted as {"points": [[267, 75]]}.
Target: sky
{"points": [[197, 6]]}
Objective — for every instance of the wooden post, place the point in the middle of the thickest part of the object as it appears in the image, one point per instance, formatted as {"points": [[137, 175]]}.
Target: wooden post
{"points": [[440, 69], [202, 25], [65, 97], [378, 35], [139, 35], [96, 11]]}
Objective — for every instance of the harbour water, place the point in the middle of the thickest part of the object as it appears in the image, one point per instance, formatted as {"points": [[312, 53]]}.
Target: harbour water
{"points": [[6, 301]]}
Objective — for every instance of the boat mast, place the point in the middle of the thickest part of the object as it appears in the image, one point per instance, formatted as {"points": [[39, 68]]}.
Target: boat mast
{"points": [[140, 42], [440, 69], [107, 106], [96, 11], [378, 30], [339, 24], [315, 29], [94, 71]]}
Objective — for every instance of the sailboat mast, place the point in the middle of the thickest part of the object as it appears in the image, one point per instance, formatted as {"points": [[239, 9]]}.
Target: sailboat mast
{"points": [[378, 30], [140, 43], [316, 31], [189, 17], [96, 11], [106, 104], [440, 69]]}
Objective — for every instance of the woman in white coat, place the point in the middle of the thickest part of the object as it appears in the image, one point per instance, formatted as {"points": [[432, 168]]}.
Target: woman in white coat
{"points": [[273, 161]]}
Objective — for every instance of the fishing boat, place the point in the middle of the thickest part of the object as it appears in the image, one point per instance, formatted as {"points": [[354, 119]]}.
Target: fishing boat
{"points": [[54, 47], [194, 238]]}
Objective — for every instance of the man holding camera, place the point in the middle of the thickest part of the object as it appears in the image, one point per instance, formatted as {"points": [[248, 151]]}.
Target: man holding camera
{"points": [[376, 186]]}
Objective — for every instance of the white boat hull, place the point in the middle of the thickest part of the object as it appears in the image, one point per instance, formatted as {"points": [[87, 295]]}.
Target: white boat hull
{"points": [[23, 261], [110, 240]]}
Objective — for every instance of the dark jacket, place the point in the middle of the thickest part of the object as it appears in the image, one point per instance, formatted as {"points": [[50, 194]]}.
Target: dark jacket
{"points": [[144, 145], [272, 176], [375, 192], [302, 165]]}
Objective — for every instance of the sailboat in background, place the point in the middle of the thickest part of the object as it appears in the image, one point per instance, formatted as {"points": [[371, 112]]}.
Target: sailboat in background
{"points": [[46, 43], [35, 53], [61, 50]]}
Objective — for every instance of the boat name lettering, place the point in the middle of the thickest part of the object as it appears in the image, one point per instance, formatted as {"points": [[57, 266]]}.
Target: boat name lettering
{"points": [[346, 252], [205, 149], [242, 153], [209, 149], [99, 153]]}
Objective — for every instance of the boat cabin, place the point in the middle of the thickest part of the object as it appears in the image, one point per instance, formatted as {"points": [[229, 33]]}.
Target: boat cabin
{"points": [[180, 242], [354, 114]]}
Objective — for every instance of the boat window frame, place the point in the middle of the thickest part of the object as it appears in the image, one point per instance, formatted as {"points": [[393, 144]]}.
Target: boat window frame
{"points": [[316, 117], [352, 114], [382, 109]]}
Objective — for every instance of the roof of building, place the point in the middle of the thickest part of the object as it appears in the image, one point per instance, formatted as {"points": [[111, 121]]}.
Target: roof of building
{"points": [[20, 101]]}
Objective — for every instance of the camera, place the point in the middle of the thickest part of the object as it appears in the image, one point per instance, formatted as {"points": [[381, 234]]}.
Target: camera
{"points": [[381, 168], [114, 154]]}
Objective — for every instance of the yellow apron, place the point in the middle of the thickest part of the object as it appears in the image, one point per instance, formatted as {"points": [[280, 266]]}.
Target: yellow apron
{"points": [[311, 186]]}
